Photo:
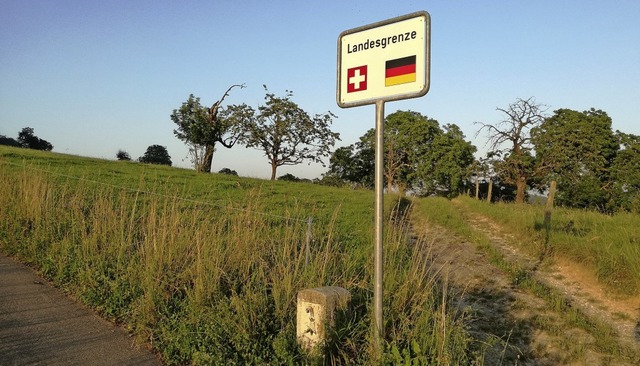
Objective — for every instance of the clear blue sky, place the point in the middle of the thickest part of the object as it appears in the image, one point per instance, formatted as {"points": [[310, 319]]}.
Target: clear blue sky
{"points": [[93, 77]]}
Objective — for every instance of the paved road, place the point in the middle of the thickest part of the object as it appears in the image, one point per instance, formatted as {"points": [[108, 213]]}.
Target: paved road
{"points": [[40, 325]]}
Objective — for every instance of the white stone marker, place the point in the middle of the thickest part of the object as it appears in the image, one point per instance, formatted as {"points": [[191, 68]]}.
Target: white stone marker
{"points": [[316, 311]]}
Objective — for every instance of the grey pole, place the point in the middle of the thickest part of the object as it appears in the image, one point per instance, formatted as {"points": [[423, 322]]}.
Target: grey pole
{"points": [[377, 291]]}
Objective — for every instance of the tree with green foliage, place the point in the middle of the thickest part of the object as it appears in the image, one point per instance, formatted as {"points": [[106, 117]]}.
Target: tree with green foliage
{"points": [[353, 164], [123, 155], [291, 178], [408, 138], [444, 168], [228, 171], [27, 139], [510, 139], [577, 149], [201, 128], [625, 173], [284, 132], [156, 154], [481, 171], [418, 155], [8, 141], [424, 157], [342, 165]]}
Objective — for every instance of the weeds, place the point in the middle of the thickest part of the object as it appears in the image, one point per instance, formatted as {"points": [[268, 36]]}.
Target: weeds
{"points": [[604, 335], [608, 244], [216, 283]]}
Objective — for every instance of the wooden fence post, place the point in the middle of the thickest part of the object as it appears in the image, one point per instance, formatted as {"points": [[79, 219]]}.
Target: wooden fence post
{"points": [[547, 214]]}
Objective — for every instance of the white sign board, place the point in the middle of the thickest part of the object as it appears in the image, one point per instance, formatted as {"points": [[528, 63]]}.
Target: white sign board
{"points": [[386, 61]]}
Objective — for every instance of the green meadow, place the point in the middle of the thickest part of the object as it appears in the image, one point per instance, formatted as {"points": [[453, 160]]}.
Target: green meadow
{"points": [[609, 245], [605, 245], [206, 267]]}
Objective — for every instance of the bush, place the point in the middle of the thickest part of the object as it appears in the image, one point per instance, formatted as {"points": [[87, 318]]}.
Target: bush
{"points": [[123, 155], [289, 178], [228, 171], [8, 141]]}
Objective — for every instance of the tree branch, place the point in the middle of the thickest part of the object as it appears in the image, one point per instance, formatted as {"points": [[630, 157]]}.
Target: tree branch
{"points": [[214, 108]]}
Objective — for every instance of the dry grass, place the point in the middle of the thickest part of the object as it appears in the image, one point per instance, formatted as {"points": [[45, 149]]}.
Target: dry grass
{"points": [[216, 284]]}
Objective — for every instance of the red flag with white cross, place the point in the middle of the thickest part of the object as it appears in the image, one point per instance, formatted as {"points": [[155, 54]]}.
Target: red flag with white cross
{"points": [[357, 79]]}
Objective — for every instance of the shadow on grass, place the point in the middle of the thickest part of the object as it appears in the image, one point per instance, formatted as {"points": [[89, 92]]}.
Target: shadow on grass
{"points": [[401, 209], [566, 227], [501, 338]]}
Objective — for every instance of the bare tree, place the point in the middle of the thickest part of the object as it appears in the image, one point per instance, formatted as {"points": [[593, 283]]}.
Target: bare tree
{"points": [[511, 139]]}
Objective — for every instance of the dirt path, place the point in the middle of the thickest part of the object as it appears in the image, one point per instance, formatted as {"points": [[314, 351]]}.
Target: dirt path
{"points": [[513, 325], [40, 325], [578, 284]]}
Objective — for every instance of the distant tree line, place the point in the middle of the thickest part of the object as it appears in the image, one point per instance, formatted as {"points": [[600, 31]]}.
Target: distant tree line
{"points": [[155, 154], [27, 139], [594, 167], [421, 157]]}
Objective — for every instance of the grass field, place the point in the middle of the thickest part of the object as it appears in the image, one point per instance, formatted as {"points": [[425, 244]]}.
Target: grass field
{"points": [[206, 267], [611, 238], [610, 245]]}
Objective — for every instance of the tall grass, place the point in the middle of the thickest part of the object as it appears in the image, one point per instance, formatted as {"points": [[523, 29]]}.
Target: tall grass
{"points": [[610, 245], [216, 284], [442, 212]]}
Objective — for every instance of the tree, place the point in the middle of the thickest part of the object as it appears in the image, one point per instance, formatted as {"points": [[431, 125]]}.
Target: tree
{"points": [[625, 173], [481, 171], [289, 178], [418, 154], [8, 141], [228, 171], [444, 168], [518, 164], [408, 137], [123, 155], [156, 154], [284, 132], [201, 128], [577, 149], [353, 164], [424, 157], [27, 139]]}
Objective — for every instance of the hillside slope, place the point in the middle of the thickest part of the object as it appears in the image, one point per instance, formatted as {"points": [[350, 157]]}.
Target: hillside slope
{"points": [[527, 311]]}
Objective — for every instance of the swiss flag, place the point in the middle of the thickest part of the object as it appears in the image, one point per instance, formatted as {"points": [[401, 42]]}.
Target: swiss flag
{"points": [[357, 79]]}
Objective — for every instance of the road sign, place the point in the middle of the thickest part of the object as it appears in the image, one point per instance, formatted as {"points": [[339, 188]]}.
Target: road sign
{"points": [[381, 62], [387, 60]]}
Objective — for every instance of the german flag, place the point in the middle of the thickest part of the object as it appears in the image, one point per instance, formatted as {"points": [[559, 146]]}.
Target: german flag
{"points": [[400, 71]]}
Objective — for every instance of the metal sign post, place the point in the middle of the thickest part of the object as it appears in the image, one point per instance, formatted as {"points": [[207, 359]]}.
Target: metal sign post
{"points": [[379, 207], [383, 61]]}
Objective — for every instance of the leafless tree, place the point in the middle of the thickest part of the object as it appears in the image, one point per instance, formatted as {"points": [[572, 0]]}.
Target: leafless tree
{"points": [[511, 139]]}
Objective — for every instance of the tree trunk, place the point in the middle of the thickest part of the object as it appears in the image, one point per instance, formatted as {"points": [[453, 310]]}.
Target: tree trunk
{"points": [[207, 160], [477, 187], [273, 171], [489, 191], [521, 186]]}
